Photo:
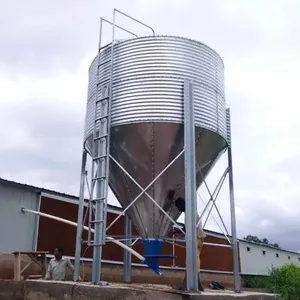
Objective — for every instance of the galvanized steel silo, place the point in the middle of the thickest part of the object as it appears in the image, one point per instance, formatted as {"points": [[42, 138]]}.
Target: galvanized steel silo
{"points": [[147, 119]]}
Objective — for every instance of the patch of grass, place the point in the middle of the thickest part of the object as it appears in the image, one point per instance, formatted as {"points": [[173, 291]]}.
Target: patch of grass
{"points": [[285, 281], [255, 282]]}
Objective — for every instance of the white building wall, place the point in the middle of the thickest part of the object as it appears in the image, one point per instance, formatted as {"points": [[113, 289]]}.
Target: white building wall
{"points": [[18, 231], [256, 262]]}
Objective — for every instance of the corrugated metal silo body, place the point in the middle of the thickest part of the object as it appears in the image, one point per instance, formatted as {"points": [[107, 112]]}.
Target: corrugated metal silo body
{"points": [[147, 119], [17, 230]]}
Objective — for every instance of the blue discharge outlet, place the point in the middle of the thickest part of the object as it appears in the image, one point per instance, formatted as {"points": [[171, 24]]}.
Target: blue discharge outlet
{"points": [[152, 249]]}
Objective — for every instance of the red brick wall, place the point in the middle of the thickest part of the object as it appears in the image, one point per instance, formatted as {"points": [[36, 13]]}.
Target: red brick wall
{"points": [[53, 233]]}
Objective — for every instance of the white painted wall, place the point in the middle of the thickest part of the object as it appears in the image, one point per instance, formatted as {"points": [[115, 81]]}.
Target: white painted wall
{"points": [[254, 262]]}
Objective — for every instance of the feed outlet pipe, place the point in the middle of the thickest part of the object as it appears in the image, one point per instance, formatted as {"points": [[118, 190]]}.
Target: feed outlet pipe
{"points": [[133, 252]]}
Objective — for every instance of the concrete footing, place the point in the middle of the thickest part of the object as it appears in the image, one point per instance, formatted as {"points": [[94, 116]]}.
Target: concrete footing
{"points": [[47, 290]]}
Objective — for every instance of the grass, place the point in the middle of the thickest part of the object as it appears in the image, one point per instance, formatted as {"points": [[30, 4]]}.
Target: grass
{"points": [[255, 282], [284, 281]]}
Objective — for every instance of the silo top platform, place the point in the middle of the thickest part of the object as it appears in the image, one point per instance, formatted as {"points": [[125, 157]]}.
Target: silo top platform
{"points": [[148, 75]]}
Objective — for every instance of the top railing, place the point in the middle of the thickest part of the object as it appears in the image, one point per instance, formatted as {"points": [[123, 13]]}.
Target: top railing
{"points": [[134, 19]]}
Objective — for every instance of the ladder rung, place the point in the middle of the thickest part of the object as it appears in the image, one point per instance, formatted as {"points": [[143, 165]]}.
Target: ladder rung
{"points": [[98, 178], [103, 63], [92, 244], [101, 99], [97, 221], [97, 199], [105, 85], [100, 137], [101, 118], [99, 157]]}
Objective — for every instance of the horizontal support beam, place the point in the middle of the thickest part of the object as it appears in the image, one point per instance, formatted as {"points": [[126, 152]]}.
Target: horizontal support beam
{"points": [[120, 263]]}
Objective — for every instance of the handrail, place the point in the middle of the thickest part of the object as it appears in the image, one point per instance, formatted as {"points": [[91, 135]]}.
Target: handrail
{"points": [[135, 20], [111, 23]]}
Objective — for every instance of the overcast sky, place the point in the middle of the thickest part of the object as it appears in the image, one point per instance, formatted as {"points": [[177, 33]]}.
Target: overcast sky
{"points": [[46, 49]]}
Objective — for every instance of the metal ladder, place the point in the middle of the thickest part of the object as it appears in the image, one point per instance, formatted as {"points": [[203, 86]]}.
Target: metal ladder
{"points": [[100, 152], [100, 172], [100, 156], [100, 161]]}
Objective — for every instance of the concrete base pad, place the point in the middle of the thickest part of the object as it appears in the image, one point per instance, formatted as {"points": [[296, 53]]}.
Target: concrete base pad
{"points": [[49, 290], [207, 294]]}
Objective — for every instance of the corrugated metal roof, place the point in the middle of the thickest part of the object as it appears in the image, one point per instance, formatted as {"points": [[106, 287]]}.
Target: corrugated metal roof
{"points": [[35, 188], [268, 246]]}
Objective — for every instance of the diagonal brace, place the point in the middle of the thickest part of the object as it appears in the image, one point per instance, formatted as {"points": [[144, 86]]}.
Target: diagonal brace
{"points": [[220, 216], [143, 191], [214, 194], [154, 202]]}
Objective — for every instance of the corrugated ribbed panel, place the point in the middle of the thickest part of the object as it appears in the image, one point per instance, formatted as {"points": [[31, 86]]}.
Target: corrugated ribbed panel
{"points": [[228, 125], [17, 230], [148, 76]]}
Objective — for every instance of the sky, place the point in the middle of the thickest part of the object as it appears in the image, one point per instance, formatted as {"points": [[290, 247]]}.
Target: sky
{"points": [[46, 49]]}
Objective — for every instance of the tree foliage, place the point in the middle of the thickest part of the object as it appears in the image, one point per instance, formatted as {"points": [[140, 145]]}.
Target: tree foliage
{"points": [[264, 241], [285, 281]]}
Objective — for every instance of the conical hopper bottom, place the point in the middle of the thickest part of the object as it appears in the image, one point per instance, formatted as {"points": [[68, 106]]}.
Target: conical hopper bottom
{"points": [[144, 150]]}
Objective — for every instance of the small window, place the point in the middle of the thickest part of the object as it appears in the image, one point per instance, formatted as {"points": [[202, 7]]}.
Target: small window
{"points": [[289, 257], [248, 249], [264, 252], [277, 255]]}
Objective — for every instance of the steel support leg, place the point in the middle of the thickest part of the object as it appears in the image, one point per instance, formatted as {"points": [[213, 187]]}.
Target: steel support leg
{"points": [[190, 188], [236, 267], [127, 254], [80, 218]]}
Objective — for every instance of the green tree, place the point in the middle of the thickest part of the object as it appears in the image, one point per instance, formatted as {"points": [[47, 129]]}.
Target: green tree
{"points": [[285, 281], [264, 241]]}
